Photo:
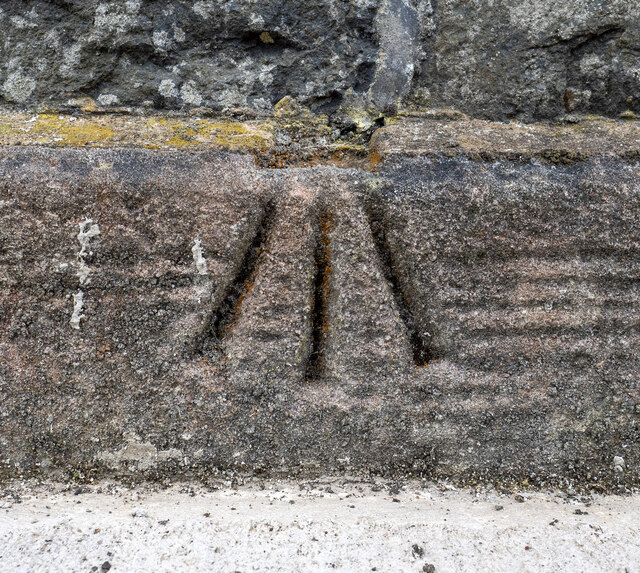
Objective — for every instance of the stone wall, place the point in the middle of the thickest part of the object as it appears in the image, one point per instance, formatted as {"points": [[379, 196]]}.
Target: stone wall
{"points": [[512, 59], [295, 254]]}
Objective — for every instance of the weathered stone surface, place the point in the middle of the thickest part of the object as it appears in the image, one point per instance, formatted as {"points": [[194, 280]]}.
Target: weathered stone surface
{"points": [[562, 143], [210, 53], [437, 316], [497, 60], [532, 59]]}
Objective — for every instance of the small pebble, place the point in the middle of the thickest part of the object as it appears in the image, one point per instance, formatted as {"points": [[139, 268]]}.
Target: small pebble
{"points": [[618, 464]]}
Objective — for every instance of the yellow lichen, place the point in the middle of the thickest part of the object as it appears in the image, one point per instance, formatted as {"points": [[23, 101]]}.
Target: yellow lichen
{"points": [[225, 134], [266, 38], [298, 121], [234, 135], [628, 115], [6, 128], [182, 135], [113, 131], [65, 130], [362, 116]]}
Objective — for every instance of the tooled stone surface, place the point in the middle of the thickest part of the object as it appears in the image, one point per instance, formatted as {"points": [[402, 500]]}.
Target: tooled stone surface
{"points": [[497, 60], [437, 317]]}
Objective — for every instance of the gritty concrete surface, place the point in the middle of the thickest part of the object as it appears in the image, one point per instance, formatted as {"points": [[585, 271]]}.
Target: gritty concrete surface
{"points": [[323, 525], [444, 298]]}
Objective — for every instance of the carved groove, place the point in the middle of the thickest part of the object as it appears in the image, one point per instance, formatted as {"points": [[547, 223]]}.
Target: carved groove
{"points": [[322, 289], [222, 319], [420, 347]]}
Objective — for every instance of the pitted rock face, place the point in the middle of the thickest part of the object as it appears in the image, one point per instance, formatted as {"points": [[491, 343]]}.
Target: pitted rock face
{"points": [[438, 317], [495, 60], [187, 54]]}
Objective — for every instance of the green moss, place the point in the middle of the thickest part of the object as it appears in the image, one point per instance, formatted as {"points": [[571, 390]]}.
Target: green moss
{"points": [[562, 156]]}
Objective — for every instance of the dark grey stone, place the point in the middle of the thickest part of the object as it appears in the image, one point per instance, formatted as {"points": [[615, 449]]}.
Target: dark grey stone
{"points": [[514, 59], [532, 59]]}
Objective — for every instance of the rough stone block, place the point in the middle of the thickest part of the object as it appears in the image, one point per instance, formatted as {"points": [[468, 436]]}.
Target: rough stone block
{"points": [[437, 316]]}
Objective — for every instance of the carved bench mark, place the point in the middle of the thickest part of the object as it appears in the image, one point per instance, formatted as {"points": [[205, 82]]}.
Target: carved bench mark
{"points": [[223, 317]]}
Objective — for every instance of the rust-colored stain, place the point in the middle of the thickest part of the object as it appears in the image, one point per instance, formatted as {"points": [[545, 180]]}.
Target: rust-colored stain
{"points": [[326, 228], [375, 159], [247, 287]]}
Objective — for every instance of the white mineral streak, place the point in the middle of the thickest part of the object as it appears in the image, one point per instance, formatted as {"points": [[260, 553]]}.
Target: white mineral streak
{"points": [[83, 272], [88, 230], [78, 301], [198, 259]]}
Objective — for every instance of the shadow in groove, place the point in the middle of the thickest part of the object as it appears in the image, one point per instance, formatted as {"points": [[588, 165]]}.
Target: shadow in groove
{"points": [[420, 345], [224, 315], [322, 288]]}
